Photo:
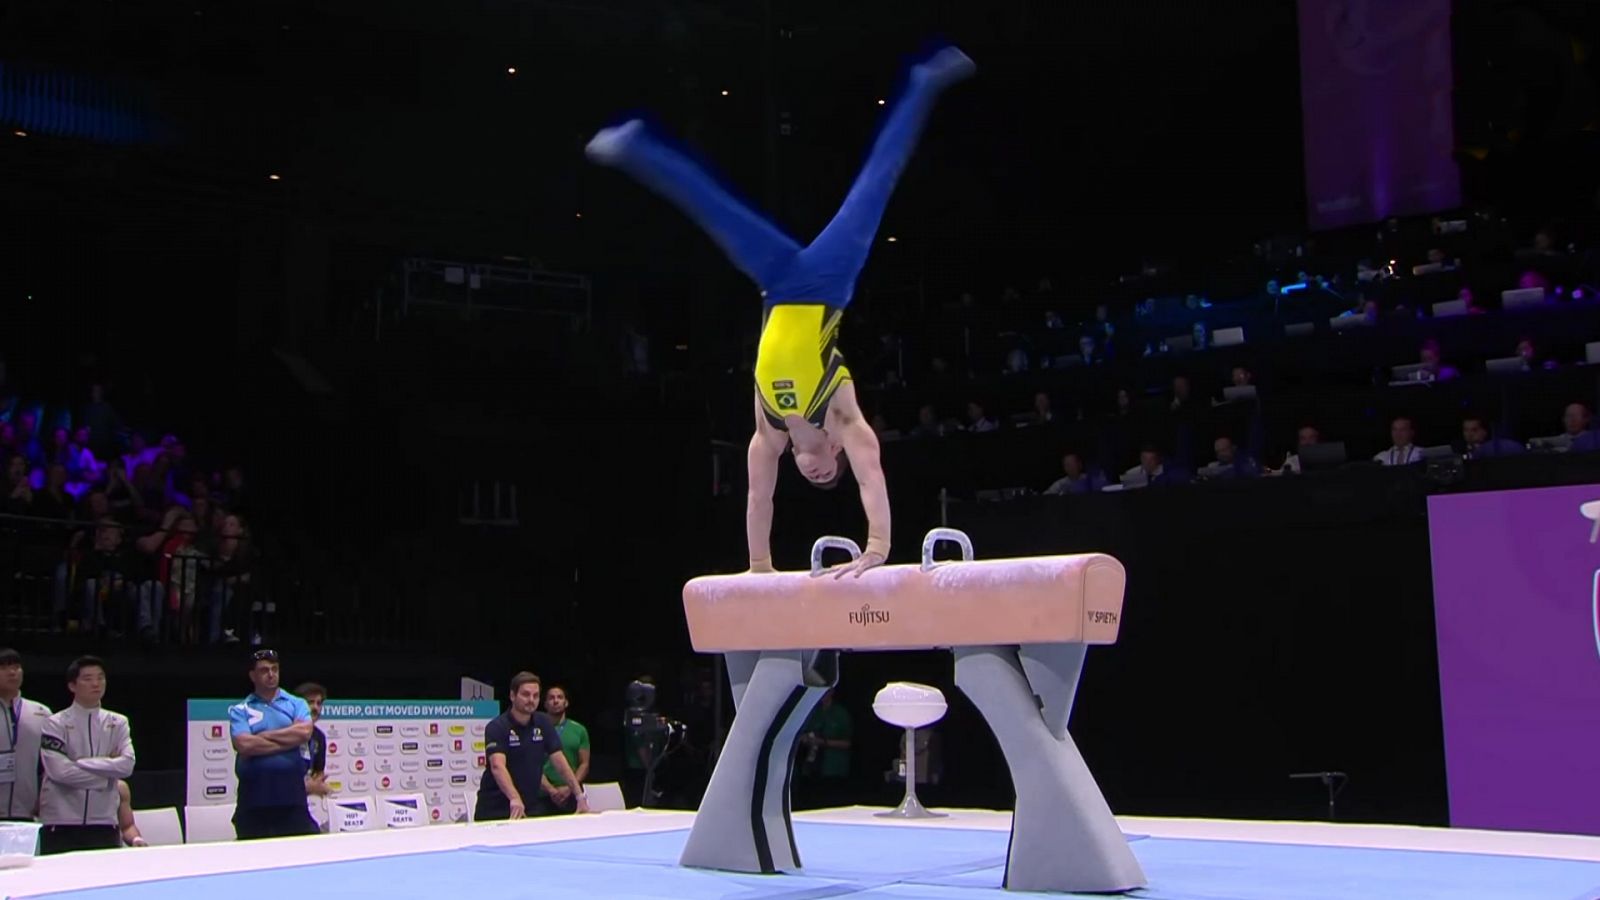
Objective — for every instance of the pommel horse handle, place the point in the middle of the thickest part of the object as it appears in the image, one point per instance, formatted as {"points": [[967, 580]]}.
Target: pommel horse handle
{"points": [[831, 542], [935, 536], [1019, 629]]}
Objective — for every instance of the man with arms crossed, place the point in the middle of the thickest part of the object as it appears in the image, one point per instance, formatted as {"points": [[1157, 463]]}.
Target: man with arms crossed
{"points": [[272, 734], [85, 750], [574, 746], [19, 743], [517, 743]]}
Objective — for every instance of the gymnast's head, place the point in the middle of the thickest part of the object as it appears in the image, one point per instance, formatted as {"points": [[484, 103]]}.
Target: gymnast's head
{"points": [[817, 454]]}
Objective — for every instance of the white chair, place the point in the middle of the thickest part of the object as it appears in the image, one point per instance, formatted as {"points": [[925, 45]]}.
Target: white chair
{"points": [[318, 807], [1447, 308], [910, 706], [159, 827], [604, 797], [402, 811], [353, 814], [208, 824]]}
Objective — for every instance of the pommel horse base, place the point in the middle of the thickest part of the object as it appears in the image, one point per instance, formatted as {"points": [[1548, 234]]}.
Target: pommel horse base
{"points": [[1019, 629]]}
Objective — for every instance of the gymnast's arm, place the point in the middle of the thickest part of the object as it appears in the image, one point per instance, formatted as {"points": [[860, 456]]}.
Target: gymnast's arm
{"points": [[766, 450], [861, 448]]}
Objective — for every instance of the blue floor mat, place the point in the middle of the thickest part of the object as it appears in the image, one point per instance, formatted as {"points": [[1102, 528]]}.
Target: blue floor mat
{"points": [[863, 861]]}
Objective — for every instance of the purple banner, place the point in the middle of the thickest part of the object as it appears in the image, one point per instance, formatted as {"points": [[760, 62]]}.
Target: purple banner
{"points": [[1514, 591], [1375, 88]]}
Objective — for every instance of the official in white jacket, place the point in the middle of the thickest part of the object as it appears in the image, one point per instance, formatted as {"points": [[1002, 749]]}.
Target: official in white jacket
{"points": [[19, 743], [85, 750]]}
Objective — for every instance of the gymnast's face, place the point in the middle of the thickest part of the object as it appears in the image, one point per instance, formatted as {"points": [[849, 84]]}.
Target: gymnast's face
{"points": [[816, 453]]}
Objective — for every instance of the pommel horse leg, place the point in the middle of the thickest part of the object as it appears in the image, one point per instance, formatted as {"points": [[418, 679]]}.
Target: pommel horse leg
{"points": [[1062, 832], [743, 824], [1019, 629]]}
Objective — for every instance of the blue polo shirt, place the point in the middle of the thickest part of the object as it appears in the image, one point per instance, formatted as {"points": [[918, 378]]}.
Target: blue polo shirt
{"points": [[277, 779]]}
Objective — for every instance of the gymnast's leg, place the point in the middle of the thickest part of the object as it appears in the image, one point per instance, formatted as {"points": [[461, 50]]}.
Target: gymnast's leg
{"points": [[752, 243], [828, 268]]}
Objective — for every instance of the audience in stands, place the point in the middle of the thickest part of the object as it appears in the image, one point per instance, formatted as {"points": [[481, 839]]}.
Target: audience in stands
{"points": [[1531, 359], [159, 545], [1433, 367], [1403, 450], [1307, 436], [978, 421], [1182, 400], [928, 424], [1577, 434], [28, 440], [1478, 440], [102, 421], [1075, 478], [53, 502], [1042, 414], [1089, 352], [19, 490], [1153, 471], [83, 467], [1230, 462], [127, 546]]}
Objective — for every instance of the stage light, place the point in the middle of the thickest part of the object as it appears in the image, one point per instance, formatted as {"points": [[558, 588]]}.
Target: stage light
{"points": [[20, 133], [511, 70], [274, 177], [579, 215], [880, 102], [724, 93], [892, 239]]}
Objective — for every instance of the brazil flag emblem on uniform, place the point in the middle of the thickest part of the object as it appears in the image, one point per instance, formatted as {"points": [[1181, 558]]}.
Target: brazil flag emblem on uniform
{"points": [[786, 400]]}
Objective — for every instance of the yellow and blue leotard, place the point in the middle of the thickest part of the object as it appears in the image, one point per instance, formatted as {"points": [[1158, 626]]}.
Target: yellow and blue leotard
{"points": [[798, 363]]}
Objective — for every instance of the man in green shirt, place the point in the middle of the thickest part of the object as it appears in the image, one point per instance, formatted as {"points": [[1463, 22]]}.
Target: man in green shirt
{"points": [[825, 753], [574, 744]]}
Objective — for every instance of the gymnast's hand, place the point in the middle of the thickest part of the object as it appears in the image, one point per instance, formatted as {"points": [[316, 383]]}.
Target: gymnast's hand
{"points": [[868, 560]]}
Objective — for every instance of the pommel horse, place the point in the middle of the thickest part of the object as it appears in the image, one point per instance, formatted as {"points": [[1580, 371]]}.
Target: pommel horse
{"points": [[1019, 629]]}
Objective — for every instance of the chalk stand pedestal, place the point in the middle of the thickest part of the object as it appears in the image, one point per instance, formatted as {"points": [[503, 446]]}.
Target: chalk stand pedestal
{"points": [[910, 706]]}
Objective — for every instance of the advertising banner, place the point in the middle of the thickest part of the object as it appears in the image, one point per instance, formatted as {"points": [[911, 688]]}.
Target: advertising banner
{"points": [[382, 754], [1377, 113], [1515, 582]]}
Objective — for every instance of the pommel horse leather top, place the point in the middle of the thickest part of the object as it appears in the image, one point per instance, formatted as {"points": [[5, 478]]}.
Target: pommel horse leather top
{"points": [[1019, 630], [1041, 600]]}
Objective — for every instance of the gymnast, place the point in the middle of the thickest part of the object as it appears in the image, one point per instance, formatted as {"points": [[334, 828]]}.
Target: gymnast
{"points": [[805, 401]]}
